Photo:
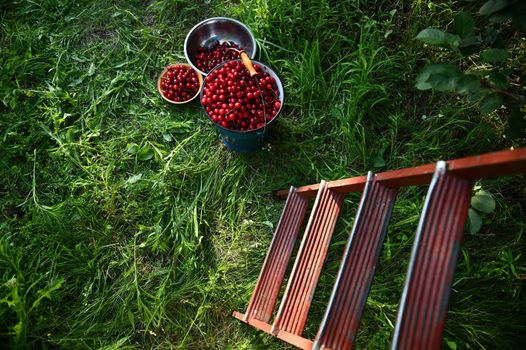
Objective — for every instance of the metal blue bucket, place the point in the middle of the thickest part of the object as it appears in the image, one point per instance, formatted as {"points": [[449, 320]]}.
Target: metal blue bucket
{"points": [[252, 140], [245, 141]]}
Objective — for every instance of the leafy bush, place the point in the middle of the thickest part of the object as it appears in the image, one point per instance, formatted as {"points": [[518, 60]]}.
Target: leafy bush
{"points": [[491, 78]]}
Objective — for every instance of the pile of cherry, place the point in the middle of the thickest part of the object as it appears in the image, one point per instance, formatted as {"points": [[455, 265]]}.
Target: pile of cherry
{"points": [[179, 83], [237, 101], [208, 58]]}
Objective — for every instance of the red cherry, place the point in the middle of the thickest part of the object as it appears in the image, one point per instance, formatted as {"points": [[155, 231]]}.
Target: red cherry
{"points": [[234, 100], [180, 83], [208, 58]]}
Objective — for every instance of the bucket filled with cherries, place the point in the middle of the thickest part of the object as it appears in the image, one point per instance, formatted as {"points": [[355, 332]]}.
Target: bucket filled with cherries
{"points": [[241, 96]]}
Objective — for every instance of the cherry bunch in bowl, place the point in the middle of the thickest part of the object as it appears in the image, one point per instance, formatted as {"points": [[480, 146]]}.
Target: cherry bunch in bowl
{"points": [[233, 99], [179, 83], [208, 58]]}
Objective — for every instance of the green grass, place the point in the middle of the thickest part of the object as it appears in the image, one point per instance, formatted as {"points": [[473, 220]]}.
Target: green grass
{"points": [[102, 250]]}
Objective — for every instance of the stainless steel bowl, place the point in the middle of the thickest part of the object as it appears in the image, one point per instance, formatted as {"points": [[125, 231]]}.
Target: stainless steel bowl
{"points": [[218, 29]]}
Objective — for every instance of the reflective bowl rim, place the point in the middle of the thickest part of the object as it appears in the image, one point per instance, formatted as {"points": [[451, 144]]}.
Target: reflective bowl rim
{"points": [[244, 26]]}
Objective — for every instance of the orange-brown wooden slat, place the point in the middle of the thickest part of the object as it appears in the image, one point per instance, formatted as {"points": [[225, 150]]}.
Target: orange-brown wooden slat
{"points": [[482, 166], [296, 301], [280, 257], [296, 340], [423, 306], [342, 317], [273, 270], [290, 316]]}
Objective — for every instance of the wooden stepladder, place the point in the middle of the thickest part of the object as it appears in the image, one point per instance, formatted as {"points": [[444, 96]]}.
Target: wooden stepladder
{"points": [[423, 305]]}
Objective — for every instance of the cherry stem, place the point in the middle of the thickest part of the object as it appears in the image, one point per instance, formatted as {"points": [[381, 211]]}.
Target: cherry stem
{"points": [[275, 95]]}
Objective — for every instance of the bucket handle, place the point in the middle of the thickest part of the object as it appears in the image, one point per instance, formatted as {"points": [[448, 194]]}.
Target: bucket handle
{"points": [[248, 63]]}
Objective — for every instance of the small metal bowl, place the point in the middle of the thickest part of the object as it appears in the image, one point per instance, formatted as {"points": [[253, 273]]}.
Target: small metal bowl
{"points": [[199, 78], [219, 29]]}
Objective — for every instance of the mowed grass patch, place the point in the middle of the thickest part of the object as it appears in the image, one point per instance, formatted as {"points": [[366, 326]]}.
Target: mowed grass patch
{"points": [[125, 222]]}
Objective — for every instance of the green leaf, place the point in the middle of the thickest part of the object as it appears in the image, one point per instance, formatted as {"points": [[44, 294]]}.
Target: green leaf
{"points": [[91, 69], [437, 37], [475, 222], [493, 6], [451, 344], [443, 82], [500, 17], [132, 148], [483, 201], [464, 24], [489, 35], [18, 328], [131, 318], [179, 127], [134, 178], [468, 83], [145, 153], [470, 41], [516, 12], [167, 136], [47, 292], [12, 103], [494, 55], [499, 80], [477, 95], [378, 161], [438, 76], [421, 81], [269, 224], [490, 103]]}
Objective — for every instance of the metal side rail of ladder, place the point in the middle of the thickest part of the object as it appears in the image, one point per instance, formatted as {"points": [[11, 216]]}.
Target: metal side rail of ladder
{"points": [[423, 305]]}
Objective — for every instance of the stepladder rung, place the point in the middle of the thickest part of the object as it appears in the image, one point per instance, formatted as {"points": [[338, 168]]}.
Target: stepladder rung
{"points": [[423, 305], [343, 314], [294, 307], [266, 291]]}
